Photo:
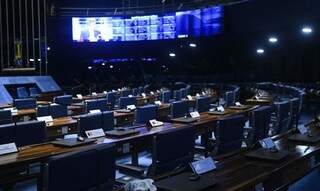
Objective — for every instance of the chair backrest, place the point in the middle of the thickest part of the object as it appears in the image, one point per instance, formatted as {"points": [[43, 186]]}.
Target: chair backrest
{"points": [[294, 111], [166, 95], [202, 104], [177, 95], [230, 98], [179, 109], [141, 89], [22, 93], [145, 113], [283, 117], [91, 105], [80, 165], [135, 91], [5, 117], [172, 149], [111, 97], [102, 104], [7, 133], [229, 134], [107, 166], [98, 162], [57, 110], [260, 122], [28, 103], [43, 110], [183, 92], [125, 101], [34, 92], [90, 121], [30, 132], [63, 100], [107, 120], [125, 93]]}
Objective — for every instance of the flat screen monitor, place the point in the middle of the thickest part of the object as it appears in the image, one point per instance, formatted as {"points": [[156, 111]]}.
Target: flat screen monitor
{"points": [[193, 23]]}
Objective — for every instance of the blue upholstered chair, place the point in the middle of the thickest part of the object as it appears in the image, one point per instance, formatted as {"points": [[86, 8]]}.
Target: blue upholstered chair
{"points": [[145, 113], [34, 92], [63, 100], [31, 132], [91, 105], [165, 95], [98, 162], [107, 120], [102, 104], [179, 109], [177, 95], [260, 122], [5, 117], [57, 110], [90, 121], [43, 110], [7, 133], [111, 97], [202, 104], [229, 135], [125, 101], [22, 93], [172, 149], [28, 103]]}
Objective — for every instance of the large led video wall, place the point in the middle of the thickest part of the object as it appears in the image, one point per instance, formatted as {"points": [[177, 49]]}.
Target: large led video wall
{"points": [[193, 23]]}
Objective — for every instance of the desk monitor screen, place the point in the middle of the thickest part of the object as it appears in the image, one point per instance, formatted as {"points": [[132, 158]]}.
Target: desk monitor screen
{"points": [[192, 23], [203, 166]]}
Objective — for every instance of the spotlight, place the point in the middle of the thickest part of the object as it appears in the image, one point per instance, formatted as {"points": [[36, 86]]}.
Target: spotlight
{"points": [[31, 60], [89, 67], [193, 45], [306, 30], [260, 51], [111, 66], [172, 54], [273, 40], [103, 64], [48, 48]]}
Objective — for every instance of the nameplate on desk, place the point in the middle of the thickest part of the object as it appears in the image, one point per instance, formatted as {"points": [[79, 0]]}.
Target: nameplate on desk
{"points": [[152, 93], [158, 103], [53, 104], [94, 94], [220, 109], [79, 96], [203, 166], [189, 97], [8, 148], [238, 103], [256, 97], [95, 111], [203, 93], [105, 92], [130, 95], [197, 95], [195, 114], [302, 129], [267, 143], [144, 95], [131, 107], [154, 123], [47, 119], [95, 133]]}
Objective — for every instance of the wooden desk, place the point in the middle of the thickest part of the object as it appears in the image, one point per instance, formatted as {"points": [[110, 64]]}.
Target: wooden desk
{"points": [[260, 101], [31, 113], [61, 126], [240, 173]]}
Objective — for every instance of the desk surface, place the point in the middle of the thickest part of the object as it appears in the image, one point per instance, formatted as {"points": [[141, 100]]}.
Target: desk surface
{"points": [[39, 152]]}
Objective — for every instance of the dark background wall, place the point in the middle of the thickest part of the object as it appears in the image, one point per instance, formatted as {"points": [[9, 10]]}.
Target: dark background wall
{"points": [[227, 57]]}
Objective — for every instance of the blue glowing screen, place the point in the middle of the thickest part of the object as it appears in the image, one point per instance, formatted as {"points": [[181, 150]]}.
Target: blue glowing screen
{"points": [[194, 23]]}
